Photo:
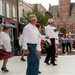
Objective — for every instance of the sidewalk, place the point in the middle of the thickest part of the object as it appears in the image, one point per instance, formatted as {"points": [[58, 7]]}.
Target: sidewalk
{"points": [[66, 66]]}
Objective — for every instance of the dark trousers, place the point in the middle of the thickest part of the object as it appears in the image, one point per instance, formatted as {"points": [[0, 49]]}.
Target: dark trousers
{"points": [[51, 52], [68, 45], [32, 61], [63, 47]]}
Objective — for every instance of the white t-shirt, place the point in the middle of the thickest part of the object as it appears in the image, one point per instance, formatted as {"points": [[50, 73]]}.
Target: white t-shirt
{"points": [[5, 40]]}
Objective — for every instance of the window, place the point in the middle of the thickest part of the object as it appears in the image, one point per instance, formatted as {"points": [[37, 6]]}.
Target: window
{"points": [[70, 18], [71, 26], [64, 17], [23, 11], [14, 12], [8, 10], [55, 18], [63, 8], [73, 16], [64, 25], [63, 1], [58, 26], [1, 7]]}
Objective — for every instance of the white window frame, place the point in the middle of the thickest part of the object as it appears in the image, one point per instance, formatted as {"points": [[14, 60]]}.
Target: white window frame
{"points": [[2, 11], [9, 9], [14, 12]]}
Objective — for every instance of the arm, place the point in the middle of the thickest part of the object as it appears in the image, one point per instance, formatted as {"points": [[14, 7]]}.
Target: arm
{"points": [[1, 41], [25, 39]]}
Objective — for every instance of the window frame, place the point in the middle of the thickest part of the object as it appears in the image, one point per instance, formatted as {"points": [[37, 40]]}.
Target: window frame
{"points": [[10, 9], [2, 7], [15, 12]]}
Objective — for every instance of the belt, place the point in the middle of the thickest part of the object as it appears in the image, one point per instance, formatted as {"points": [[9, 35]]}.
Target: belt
{"points": [[31, 44], [52, 38]]}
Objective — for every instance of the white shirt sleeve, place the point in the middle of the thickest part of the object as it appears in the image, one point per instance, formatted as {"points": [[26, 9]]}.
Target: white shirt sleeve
{"points": [[47, 34], [25, 38], [1, 39], [41, 36]]}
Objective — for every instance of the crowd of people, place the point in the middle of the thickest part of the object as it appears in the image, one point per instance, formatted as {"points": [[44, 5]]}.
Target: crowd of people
{"points": [[30, 43]]}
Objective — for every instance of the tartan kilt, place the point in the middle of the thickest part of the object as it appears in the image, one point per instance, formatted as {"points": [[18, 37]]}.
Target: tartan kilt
{"points": [[4, 54]]}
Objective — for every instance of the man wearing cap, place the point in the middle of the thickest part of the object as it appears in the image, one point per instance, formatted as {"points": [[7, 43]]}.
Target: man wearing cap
{"points": [[29, 42], [51, 52]]}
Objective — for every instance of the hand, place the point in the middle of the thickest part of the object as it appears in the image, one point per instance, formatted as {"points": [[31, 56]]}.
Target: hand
{"points": [[4, 48], [36, 51], [27, 51], [47, 37], [50, 44], [21, 46]]}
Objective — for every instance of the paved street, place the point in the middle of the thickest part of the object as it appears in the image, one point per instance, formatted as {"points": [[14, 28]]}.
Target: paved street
{"points": [[66, 66]]}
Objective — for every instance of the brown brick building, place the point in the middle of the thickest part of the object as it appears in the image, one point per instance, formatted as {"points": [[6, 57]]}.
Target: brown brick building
{"points": [[64, 15], [9, 17]]}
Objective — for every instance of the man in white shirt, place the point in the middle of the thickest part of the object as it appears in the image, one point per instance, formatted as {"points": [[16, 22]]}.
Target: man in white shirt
{"points": [[29, 42], [51, 52]]}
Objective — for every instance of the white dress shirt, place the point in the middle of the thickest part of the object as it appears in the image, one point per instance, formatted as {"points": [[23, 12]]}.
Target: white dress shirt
{"points": [[49, 32], [30, 35], [20, 40], [5, 40]]}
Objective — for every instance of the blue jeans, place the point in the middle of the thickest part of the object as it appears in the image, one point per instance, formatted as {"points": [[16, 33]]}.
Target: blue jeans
{"points": [[32, 60]]}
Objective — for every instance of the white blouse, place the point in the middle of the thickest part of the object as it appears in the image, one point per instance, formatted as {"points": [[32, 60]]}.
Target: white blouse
{"points": [[5, 40]]}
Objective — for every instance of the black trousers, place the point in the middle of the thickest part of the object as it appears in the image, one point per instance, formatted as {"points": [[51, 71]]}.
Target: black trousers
{"points": [[68, 45], [51, 52], [63, 47]]}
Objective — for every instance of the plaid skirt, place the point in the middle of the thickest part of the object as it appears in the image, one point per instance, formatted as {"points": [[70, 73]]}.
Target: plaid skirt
{"points": [[4, 54]]}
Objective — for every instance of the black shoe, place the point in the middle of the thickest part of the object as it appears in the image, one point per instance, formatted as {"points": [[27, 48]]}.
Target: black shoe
{"points": [[23, 59], [54, 64], [63, 52], [46, 62], [4, 69], [39, 72]]}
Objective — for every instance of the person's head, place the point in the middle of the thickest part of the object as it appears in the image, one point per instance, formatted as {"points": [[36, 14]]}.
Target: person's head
{"points": [[55, 30], [70, 36], [6, 29], [67, 36], [50, 22], [38, 27], [64, 36], [33, 19]]}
